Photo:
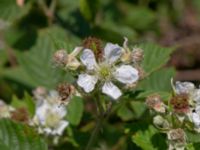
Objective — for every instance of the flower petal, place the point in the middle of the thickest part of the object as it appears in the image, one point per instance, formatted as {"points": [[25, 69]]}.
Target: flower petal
{"points": [[112, 52], [184, 87], [60, 110], [88, 59], [196, 119], [111, 90], [126, 74], [195, 95], [61, 127], [87, 82], [41, 112]]}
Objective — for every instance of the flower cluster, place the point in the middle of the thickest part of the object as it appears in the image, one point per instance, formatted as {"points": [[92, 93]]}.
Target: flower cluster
{"points": [[181, 114], [103, 68], [49, 114]]}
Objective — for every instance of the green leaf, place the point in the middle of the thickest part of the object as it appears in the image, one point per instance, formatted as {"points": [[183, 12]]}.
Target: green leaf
{"points": [[110, 32], [149, 139], [154, 57], [75, 110], [89, 8], [9, 10], [125, 113], [193, 137], [19, 75], [27, 102], [15, 136], [158, 81], [134, 15], [139, 108]]}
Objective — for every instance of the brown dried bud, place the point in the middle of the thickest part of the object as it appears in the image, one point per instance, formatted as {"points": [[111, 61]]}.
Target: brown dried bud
{"points": [[137, 55], [60, 57], [20, 115], [155, 102], [65, 91], [94, 44], [177, 135], [180, 103]]}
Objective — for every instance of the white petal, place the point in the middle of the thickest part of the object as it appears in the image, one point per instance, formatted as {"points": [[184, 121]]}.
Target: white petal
{"points": [[87, 82], [184, 87], [88, 59], [48, 131], [112, 52], [111, 90], [196, 119], [195, 95], [126, 74], [59, 110], [61, 127], [41, 112]]}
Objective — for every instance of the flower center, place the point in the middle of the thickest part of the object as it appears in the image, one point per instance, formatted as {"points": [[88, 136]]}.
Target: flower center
{"points": [[104, 72]]}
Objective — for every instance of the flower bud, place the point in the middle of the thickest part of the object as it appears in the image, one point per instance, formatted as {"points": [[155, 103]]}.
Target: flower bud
{"points": [[20, 115], [39, 93], [72, 63], [160, 122], [155, 102], [66, 91], [60, 57], [94, 44], [180, 103], [177, 138], [137, 55]]}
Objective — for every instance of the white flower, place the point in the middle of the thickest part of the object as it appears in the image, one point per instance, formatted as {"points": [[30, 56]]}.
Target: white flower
{"points": [[49, 115], [5, 110], [106, 71], [184, 87]]}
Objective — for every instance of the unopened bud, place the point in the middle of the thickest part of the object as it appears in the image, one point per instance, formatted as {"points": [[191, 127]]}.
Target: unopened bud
{"points": [[160, 122], [72, 63], [60, 57], [177, 135], [40, 93], [137, 55], [155, 102]]}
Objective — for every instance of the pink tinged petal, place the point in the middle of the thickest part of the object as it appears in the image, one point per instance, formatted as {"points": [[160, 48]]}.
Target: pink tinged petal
{"points": [[88, 59], [112, 52], [87, 82], [126, 74], [111, 90]]}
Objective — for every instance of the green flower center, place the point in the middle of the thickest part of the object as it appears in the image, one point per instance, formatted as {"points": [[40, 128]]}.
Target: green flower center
{"points": [[104, 72]]}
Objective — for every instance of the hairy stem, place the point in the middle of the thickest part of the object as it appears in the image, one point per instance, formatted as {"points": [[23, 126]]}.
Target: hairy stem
{"points": [[100, 119]]}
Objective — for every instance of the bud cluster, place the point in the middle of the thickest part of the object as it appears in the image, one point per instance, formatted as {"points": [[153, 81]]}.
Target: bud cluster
{"points": [[180, 114]]}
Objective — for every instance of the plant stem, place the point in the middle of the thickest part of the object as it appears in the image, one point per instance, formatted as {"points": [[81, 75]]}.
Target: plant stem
{"points": [[100, 119], [95, 133]]}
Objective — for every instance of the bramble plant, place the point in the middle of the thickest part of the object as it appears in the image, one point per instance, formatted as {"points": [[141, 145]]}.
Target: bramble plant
{"points": [[86, 75]]}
